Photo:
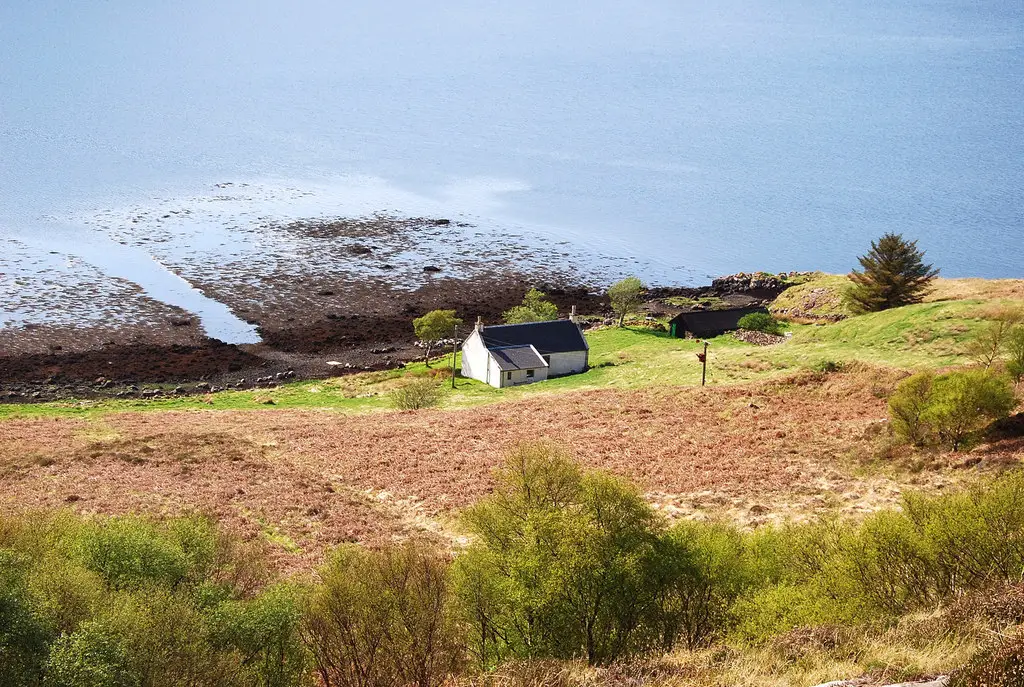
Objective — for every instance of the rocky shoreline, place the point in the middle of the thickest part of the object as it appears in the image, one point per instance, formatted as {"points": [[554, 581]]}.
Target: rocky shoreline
{"points": [[369, 330]]}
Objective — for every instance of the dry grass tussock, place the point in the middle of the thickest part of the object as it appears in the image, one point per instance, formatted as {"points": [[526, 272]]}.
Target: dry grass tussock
{"points": [[912, 650], [982, 289], [306, 480]]}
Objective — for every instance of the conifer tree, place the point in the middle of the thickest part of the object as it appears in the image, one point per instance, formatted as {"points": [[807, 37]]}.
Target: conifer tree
{"points": [[894, 274]]}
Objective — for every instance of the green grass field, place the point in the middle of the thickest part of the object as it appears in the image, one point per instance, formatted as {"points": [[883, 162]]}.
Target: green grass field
{"points": [[927, 335]]}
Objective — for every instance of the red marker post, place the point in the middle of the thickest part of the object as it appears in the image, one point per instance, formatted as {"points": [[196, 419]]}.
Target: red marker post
{"points": [[703, 358]]}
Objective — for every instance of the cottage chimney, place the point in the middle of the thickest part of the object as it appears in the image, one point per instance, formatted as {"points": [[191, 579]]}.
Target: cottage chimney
{"points": [[572, 314], [479, 323]]}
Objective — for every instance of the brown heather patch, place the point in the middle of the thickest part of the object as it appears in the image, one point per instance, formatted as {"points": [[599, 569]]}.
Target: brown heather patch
{"points": [[310, 479]]}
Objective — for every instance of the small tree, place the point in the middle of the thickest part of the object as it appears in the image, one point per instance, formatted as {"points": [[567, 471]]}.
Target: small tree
{"points": [[1015, 353], [383, 618], [894, 275], [964, 402], [908, 406], [626, 297], [987, 347], [535, 308], [561, 564], [433, 327]]}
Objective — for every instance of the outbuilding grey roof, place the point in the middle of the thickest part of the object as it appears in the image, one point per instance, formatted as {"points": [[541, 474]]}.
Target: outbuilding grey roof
{"points": [[555, 336], [517, 358]]}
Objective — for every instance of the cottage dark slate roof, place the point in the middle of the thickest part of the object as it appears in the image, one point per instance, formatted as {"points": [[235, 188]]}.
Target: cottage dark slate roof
{"points": [[517, 358], [713, 321], [556, 336]]}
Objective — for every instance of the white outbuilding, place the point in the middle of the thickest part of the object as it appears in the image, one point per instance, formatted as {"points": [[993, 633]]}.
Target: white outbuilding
{"points": [[511, 354]]}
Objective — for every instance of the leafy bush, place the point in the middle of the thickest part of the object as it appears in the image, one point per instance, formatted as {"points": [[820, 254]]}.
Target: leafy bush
{"points": [[950, 408], [23, 639], [560, 562], [265, 630], [570, 564], [761, 322], [93, 656], [908, 407], [416, 394], [130, 601], [65, 593], [706, 568], [962, 403], [534, 308], [779, 609], [938, 548], [383, 618], [1015, 353], [130, 552]]}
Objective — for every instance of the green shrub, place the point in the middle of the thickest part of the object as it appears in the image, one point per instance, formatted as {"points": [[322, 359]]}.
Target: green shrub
{"points": [[775, 610], [888, 563], [563, 564], [1015, 353], [908, 407], [65, 593], [92, 656], [130, 601], [535, 308], [761, 322], [962, 403], [23, 638], [416, 394], [265, 632], [130, 552], [937, 549], [383, 618], [705, 571]]}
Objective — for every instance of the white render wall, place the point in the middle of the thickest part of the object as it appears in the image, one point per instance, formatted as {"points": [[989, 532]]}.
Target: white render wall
{"points": [[475, 358], [520, 377], [493, 372], [567, 363]]}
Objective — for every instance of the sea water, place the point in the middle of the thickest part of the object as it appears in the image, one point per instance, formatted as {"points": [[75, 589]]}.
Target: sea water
{"points": [[696, 138]]}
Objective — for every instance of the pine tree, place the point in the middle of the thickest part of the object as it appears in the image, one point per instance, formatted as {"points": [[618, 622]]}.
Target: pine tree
{"points": [[894, 275]]}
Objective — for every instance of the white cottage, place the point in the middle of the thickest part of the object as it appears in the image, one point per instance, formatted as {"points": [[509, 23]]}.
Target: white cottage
{"points": [[510, 354]]}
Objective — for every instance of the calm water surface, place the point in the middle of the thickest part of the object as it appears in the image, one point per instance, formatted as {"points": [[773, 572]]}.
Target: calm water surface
{"points": [[701, 138]]}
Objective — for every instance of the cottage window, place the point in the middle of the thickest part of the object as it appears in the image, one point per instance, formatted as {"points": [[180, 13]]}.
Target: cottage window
{"points": [[508, 375], [529, 373]]}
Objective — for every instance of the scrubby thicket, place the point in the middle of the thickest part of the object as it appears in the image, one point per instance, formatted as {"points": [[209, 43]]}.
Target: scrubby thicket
{"points": [[563, 564], [950, 409], [123, 601]]}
